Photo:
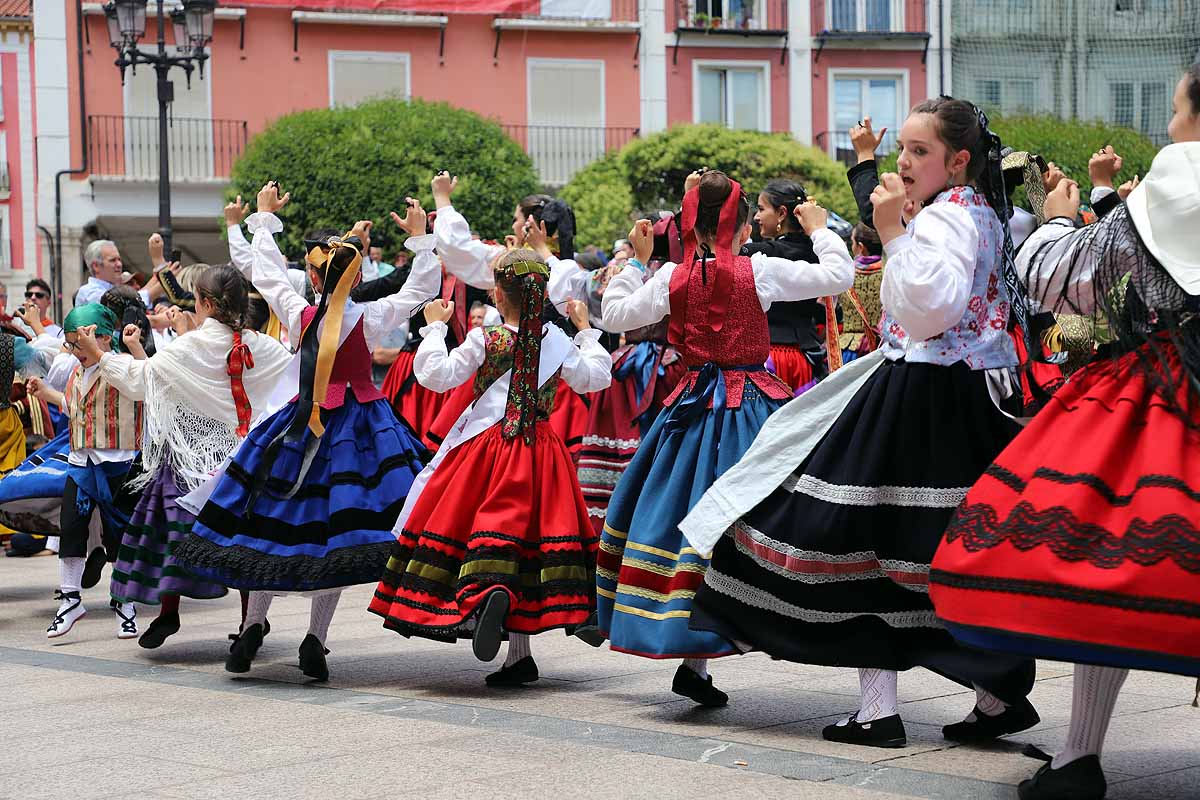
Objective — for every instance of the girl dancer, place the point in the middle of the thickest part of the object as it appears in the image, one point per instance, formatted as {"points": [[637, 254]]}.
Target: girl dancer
{"points": [[825, 531], [308, 501], [1080, 542], [497, 538], [202, 393], [105, 433], [646, 576], [797, 351]]}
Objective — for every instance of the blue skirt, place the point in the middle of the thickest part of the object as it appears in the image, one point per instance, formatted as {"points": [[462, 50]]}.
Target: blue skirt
{"points": [[646, 573], [31, 495], [335, 531]]}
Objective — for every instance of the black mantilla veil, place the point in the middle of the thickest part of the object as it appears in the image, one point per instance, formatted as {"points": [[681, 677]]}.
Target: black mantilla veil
{"points": [[1142, 303]]}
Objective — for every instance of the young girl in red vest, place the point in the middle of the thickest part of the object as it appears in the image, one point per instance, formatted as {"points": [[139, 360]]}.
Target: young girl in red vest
{"points": [[646, 574], [496, 538]]}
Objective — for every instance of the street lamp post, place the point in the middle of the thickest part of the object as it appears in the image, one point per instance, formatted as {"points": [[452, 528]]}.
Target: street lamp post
{"points": [[193, 26]]}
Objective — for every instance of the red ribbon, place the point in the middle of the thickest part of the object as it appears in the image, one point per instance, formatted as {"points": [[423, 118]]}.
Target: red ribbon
{"points": [[722, 290], [240, 359]]}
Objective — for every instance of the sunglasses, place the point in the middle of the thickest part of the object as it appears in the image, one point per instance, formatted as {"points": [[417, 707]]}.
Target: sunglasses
{"points": [[36, 296]]}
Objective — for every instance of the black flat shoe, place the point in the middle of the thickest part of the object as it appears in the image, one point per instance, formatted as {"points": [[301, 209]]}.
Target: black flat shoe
{"points": [[233, 637], [312, 658], [590, 632], [1012, 720], [244, 649], [489, 630], [163, 626], [701, 690], [886, 732], [93, 568], [523, 672], [1082, 779]]}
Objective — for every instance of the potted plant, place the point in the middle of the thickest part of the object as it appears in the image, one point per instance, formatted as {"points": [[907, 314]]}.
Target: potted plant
{"points": [[715, 22], [701, 21]]}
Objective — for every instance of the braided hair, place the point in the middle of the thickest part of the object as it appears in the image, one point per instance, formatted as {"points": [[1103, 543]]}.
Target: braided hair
{"points": [[225, 289]]}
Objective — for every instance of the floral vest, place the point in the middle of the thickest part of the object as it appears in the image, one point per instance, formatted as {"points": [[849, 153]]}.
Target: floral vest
{"points": [[981, 337], [499, 342]]}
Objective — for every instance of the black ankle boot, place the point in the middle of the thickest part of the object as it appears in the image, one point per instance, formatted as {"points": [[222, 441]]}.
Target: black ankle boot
{"points": [[312, 658], [1082, 779], [244, 649], [489, 629], [885, 732]]}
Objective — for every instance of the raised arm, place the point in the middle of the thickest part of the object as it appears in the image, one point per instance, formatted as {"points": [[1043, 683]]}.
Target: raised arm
{"points": [[126, 373], [381, 317], [464, 257], [632, 302], [268, 273], [779, 279], [440, 371], [239, 248]]}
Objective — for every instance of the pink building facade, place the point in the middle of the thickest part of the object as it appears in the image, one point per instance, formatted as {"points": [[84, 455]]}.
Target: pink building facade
{"points": [[18, 129], [568, 79]]}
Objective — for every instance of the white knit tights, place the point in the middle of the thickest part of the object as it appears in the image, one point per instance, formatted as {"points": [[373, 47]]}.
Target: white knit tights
{"points": [[518, 648], [698, 666], [878, 687], [70, 573], [256, 608], [320, 614], [1096, 690]]}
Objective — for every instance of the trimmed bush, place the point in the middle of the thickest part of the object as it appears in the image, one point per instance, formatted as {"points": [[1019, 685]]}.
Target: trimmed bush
{"points": [[648, 174], [346, 164]]}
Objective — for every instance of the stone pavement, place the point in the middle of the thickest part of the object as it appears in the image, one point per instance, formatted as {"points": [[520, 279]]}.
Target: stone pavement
{"points": [[90, 716]]}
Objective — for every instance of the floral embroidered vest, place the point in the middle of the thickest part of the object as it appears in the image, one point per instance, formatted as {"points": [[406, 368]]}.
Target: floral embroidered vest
{"points": [[100, 417], [981, 337], [498, 347]]}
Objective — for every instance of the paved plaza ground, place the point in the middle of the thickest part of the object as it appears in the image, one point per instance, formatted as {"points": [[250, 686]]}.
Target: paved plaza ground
{"points": [[89, 716]]}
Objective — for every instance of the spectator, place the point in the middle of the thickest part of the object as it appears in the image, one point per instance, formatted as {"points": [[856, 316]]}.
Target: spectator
{"points": [[105, 270], [37, 295]]}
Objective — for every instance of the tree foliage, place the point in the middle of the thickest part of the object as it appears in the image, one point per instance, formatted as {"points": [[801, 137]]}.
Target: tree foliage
{"points": [[346, 164], [648, 174]]}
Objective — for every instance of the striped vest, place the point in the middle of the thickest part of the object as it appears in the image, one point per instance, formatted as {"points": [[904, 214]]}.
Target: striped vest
{"points": [[100, 417]]}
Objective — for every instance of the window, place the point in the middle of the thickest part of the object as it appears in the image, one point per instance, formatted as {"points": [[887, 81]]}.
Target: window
{"points": [[733, 96], [566, 116], [577, 9], [1143, 106], [1022, 97], [190, 136], [356, 77], [864, 15], [1009, 97], [856, 96], [988, 94], [730, 13]]}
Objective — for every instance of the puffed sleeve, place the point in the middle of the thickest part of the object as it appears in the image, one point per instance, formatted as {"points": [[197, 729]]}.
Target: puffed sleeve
{"points": [[588, 367], [464, 257], [1058, 264], [60, 371], [930, 267], [440, 371], [240, 254], [382, 317], [268, 273], [126, 373], [631, 302], [779, 279]]}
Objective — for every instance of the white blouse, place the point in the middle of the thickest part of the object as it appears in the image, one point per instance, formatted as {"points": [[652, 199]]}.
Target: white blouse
{"points": [[268, 273], [930, 269], [1045, 259], [631, 302], [588, 367]]}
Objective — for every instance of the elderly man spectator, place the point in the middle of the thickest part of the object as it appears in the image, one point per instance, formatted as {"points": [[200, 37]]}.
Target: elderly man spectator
{"points": [[105, 271]]}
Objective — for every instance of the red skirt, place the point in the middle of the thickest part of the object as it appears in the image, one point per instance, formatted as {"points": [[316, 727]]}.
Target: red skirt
{"points": [[411, 401], [570, 418], [791, 365], [497, 513], [1048, 377], [454, 403], [1082, 541]]}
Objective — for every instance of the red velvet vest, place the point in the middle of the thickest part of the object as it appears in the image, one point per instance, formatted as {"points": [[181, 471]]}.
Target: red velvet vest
{"points": [[351, 367], [744, 339]]}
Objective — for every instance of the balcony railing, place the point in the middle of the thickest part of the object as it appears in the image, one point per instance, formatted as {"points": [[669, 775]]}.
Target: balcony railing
{"points": [[732, 16], [593, 10], [870, 17], [200, 149], [837, 144], [559, 151]]}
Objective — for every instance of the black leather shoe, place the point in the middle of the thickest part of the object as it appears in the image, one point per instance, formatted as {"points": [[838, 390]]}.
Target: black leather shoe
{"points": [[886, 732], [590, 632], [489, 630], [233, 637], [523, 672], [1082, 779], [1013, 719], [93, 567], [163, 626], [244, 649], [312, 658], [701, 690]]}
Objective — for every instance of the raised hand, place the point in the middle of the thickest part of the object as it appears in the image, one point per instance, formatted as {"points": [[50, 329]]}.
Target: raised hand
{"points": [[131, 335], [693, 180], [889, 197], [577, 311], [811, 217], [235, 212], [270, 200], [1103, 167], [362, 230], [1063, 201], [438, 311], [536, 237], [1052, 176], [865, 141], [155, 245], [413, 221], [642, 239], [1128, 186], [85, 342], [443, 185]]}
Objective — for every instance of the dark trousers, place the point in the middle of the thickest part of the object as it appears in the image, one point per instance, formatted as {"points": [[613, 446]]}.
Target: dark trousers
{"points": [[73, 542]]}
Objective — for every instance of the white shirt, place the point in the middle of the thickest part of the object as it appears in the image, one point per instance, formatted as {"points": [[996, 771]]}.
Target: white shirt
{"points": [[631, 302], [94, 289], [588, 367], [86, 455], [269, 271]]}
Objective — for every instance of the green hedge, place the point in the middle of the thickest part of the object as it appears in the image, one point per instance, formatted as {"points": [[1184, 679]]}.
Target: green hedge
{"points": [[346, 164], [648, 174]]}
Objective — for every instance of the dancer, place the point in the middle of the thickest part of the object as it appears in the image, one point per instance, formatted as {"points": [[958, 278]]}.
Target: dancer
{"points": [[825, 530], [797, 351], [105, 434], [202, 394], [308, 501], [1079, 542], [861, 309], [497, 538], [646, 576]]}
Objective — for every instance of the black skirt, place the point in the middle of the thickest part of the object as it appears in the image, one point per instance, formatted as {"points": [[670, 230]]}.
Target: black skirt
{"points": [[833, 567]]}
